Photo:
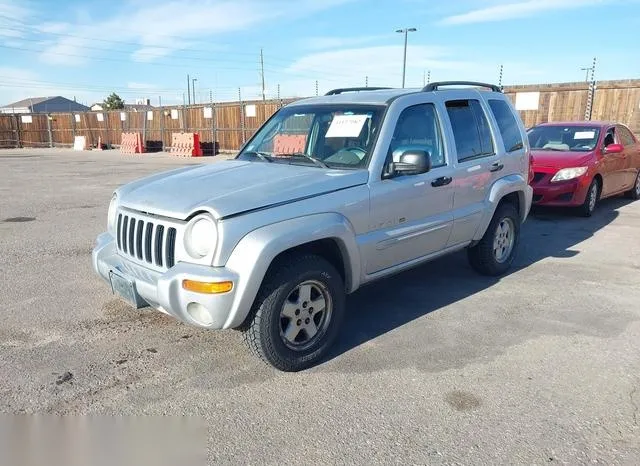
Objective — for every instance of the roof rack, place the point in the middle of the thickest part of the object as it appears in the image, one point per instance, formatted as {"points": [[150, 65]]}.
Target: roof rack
{"points": [[354, 89], [434, 86]]}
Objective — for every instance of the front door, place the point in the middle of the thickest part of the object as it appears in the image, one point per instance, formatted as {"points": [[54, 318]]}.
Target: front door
{"points": [[411, 214], [613, 165]]}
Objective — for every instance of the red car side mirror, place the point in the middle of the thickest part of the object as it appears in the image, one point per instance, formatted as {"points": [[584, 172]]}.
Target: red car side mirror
{"points": [[613, 149]]}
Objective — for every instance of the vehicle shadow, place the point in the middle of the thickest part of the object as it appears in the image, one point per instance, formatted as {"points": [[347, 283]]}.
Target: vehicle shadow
{"points": [[387, 304]]}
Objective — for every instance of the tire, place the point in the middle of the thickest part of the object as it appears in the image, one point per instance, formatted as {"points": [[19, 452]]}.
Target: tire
{"points": [[591, 199], [483, 257], [634, 193], [268, 333]]}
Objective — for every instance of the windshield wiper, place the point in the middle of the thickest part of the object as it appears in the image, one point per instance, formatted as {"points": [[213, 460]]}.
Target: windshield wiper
{"points": [[316, 161], [261, 155]]}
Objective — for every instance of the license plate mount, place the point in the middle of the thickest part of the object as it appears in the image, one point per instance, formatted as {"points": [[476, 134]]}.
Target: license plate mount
{"points": [[126, 289]]}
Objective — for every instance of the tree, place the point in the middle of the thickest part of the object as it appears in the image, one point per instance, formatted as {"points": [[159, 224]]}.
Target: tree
{"points": [[113, 102]]}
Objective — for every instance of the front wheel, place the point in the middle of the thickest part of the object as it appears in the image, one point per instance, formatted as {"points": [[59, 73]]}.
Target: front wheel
{"points": [[590, 201], [495, 252], [297, 314]]}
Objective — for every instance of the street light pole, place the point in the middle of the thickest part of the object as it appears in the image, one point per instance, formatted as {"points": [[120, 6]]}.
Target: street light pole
{"points": [[193, 89], [406, 32]]}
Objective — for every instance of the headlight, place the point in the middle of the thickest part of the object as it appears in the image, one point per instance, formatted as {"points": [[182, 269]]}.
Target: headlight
{"points": [[111, 215], [200, 237], [569, 173]]}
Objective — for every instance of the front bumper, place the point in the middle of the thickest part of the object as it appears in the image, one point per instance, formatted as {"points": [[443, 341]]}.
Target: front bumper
{"points": [[568, 193], [163, 290]]}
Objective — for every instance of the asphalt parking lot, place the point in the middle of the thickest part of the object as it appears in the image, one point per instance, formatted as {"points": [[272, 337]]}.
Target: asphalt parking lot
{"points": [[436, 365]]}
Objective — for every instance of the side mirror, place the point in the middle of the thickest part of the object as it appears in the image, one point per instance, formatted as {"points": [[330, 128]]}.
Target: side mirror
{"points": [[614, 149], [411, 162]]}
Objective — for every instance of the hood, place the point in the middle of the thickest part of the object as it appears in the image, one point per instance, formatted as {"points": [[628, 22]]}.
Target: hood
{"points": [[231, 187], [560, 159]]}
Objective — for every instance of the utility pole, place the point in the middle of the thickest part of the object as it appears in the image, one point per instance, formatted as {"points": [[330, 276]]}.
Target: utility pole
{"points": [[316, 88], [591, 92], [428, 76], [406, 32], [500, 77], [264, 97], [188, 90], [366, 81], [193, 88]]}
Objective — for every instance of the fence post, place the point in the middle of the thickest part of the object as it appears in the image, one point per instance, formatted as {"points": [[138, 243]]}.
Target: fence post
{"points": [[18, 132], [73, 126], [144, 128], [49, 130], [241, 114], [161, 128]]}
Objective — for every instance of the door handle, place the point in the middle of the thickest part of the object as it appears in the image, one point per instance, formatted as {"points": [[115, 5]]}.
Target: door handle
{"points": [[496, 167], [442, 181]]}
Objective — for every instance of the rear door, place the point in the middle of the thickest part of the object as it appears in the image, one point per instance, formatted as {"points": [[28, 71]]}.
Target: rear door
{"points": [[477, 164], [631, 154]]}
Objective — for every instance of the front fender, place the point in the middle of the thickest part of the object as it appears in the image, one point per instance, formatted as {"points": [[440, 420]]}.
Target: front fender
{"points": [[501, 188], [253, 255]]}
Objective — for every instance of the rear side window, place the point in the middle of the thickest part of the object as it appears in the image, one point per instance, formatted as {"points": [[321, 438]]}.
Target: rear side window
{"points": [[507, 124], [470, 129], [625, 136]]}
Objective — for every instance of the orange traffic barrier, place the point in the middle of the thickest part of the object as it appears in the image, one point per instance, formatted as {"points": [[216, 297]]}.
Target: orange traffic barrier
{"points": [[186, 144], [289, 143], [131, 143]]}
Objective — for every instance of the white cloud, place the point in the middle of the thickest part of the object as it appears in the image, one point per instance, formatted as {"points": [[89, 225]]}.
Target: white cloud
{"points": [[330, 42], [516, 10], [382, 65], [160, 28], [12, 14], [141, 86]]}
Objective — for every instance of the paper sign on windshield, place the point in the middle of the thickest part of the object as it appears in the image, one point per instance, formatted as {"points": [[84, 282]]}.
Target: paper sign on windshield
{"points": [[584, 134], [346, 126]]}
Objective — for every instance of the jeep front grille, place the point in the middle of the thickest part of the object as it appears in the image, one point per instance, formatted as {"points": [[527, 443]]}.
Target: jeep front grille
{"points": [[146, 240]]}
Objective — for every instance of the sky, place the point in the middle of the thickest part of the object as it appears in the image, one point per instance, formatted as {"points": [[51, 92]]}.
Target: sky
{"points": [[86, 49]]}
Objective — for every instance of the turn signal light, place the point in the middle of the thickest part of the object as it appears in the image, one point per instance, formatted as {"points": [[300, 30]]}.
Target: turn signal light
{"points": [[207, 287]]}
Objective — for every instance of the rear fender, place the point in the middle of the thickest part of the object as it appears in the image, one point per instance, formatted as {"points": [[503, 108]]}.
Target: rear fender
{"points": [[501, 188]]}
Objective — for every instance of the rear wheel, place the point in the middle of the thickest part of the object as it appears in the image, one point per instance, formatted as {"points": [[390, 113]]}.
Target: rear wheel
{"points": [[495, 252], [297, 314], [634, 193], [590, 201]]}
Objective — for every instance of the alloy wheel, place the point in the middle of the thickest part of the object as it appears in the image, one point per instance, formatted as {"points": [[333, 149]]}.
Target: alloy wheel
{"points": [[305, 315]]}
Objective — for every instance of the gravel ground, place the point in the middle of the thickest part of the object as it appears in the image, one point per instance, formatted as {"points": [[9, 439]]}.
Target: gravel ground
{"points": [[436, 365]]}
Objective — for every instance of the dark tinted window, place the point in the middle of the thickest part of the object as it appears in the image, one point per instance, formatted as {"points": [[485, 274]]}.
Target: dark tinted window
{"points": [[625, 136], [507, 124], [418, 128], [470, 129]]}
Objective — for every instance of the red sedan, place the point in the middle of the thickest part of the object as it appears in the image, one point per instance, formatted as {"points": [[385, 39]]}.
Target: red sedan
{"points": [[577, 163]]}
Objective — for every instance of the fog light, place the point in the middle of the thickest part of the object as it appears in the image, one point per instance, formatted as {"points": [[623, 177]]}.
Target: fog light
{"points": [[200, 314], [207, 287]]}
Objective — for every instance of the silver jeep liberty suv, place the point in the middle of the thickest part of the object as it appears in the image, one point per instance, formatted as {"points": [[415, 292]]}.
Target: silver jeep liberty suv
{"points": [[331, 193]]}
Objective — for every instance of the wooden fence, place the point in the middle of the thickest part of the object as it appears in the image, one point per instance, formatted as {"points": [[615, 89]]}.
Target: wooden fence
{"points": [[226, 126]]}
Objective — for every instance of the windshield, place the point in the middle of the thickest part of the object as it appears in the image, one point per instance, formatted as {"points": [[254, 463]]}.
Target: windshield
{"points": [[328, 136], [564, 138]]}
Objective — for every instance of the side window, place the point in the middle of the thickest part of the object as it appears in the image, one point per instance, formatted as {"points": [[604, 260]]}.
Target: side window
{"points": [[507, 124], [470, 129], [418, 128], [625, 136], [609, 137]]}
